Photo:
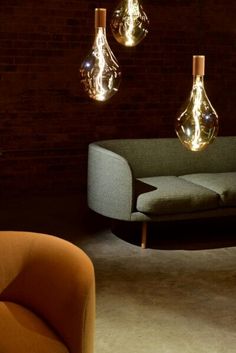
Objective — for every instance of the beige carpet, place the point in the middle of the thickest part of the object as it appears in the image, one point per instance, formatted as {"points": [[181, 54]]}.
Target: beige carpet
{"points": [[163, 301]]}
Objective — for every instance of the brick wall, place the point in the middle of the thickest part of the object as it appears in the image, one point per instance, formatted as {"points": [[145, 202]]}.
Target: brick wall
{"points": [[47, 121]]}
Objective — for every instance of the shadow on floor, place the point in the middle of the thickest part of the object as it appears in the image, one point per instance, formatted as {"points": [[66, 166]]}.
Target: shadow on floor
{"points": [[68, 216], [179, 235]]}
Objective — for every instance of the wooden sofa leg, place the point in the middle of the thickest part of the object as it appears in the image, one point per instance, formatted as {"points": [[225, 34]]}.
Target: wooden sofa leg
{"points": [[144, 235]]}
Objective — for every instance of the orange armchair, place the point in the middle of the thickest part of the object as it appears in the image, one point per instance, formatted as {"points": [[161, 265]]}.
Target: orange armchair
{"points": [[47, 295]]}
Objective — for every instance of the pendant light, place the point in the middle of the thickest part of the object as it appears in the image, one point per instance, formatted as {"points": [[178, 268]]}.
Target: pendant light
{"points": [[197, 125], [100, 71]]}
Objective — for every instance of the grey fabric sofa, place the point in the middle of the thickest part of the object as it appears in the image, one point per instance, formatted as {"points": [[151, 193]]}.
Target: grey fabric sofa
{"points": [[159, 180]]}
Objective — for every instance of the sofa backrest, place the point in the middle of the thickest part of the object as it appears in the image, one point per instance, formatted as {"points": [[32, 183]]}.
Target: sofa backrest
{"points": [[167, 156]]}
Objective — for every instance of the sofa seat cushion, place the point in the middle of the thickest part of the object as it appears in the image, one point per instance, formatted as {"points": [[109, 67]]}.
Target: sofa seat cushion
{"points": [[223, 184], [21, 331], [171, 194]]}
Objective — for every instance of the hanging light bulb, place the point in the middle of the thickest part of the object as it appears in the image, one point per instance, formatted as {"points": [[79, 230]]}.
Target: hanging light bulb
{"points": [[197, 125], [129, 23], [100, 71]]}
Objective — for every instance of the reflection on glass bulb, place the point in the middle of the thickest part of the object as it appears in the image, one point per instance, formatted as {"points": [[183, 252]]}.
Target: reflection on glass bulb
{"points": [[100, 71], [197, 126], [129, 23]]}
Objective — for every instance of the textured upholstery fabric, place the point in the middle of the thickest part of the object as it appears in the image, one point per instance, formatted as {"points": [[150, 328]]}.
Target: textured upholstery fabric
{"points": [[110, 183], [114, 167], [174, 195], [223, 184], [54, 280], [167, 156]]}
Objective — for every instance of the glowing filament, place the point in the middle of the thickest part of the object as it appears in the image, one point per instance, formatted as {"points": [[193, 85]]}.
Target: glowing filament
{"points": [[103, 82], [130, 21], [98, 78], [197, 102]]}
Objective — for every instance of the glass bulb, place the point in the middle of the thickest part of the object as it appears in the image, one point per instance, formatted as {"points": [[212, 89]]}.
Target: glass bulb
{"points": [[197, 125], [129, 23], [100, 71]]}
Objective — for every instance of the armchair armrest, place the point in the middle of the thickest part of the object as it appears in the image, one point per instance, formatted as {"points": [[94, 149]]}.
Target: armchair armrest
{"points": [[110, 183], [55, 280]]}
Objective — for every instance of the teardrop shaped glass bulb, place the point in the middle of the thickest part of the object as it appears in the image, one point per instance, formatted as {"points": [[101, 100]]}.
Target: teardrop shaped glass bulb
{"points": [[129, 23], [197, 125], [100, 71]]}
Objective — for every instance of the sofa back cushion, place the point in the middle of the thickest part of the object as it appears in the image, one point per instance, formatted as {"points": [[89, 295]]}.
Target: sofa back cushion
{"points": [[167, 156]]}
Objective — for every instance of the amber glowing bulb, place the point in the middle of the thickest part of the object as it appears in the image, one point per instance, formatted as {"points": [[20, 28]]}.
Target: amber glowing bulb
{"points": [[197, 125], [129, 23], [100, 72]]}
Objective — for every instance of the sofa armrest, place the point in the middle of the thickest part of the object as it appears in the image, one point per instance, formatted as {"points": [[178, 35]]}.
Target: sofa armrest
{"points": [[110, 183]]}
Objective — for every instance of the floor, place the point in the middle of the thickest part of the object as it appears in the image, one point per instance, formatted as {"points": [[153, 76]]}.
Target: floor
{"points": [[176, 296]]}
